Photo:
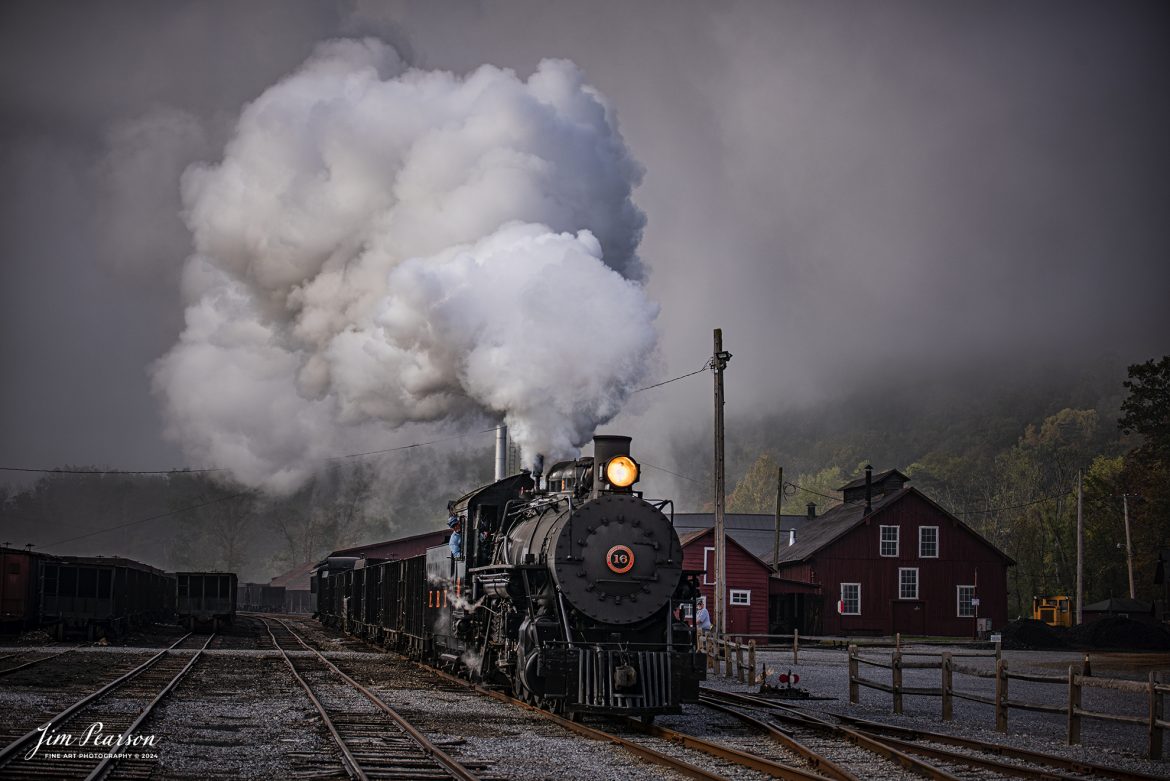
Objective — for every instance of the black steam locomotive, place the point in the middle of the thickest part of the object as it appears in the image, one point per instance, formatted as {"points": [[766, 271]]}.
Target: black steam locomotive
{"points": [[563, 594]]}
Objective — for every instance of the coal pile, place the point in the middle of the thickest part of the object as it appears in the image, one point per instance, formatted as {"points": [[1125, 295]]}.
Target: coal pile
{"points": [[1122, 634], [1027, 634]]}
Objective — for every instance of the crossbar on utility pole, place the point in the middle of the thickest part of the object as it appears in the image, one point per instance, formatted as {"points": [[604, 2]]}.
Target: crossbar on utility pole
{"points": [[719, 361]]}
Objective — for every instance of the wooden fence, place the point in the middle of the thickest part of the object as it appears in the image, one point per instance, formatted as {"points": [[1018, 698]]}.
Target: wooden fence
{"points": [[732, 655], [1079, 677]]}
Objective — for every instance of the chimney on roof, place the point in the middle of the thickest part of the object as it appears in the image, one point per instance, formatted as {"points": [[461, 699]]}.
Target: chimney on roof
{"points": [[812, 510], [868, 489], [792, 536]]}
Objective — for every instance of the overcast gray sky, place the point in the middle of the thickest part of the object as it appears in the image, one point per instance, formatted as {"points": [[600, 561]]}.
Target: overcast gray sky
{"points": [[848, 190]]}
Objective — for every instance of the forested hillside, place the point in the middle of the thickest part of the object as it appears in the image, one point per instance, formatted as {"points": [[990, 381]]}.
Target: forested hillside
{"points": [[1001, 453]]}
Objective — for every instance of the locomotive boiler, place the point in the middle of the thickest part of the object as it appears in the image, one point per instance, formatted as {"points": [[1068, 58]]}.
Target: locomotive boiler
{"points": [[566, 593]]}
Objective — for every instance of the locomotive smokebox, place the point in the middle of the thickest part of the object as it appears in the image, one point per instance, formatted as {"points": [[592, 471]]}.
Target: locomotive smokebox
{"points": [[606, 447]]}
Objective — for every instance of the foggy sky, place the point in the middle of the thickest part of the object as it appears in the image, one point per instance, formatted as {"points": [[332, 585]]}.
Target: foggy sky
{"points": [[850, 191]]}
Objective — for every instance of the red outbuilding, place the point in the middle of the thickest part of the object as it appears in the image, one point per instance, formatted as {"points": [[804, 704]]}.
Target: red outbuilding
{"points": [[889, 559], [747, 579]]}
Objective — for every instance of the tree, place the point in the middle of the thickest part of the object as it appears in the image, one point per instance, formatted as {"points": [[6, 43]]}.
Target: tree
{"points": [[1147, 408]]}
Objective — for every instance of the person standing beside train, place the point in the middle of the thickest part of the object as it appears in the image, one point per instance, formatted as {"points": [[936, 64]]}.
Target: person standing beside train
{"points": [[702, 617]]}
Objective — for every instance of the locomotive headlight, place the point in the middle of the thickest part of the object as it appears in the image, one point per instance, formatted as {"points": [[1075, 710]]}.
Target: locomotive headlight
{"points": [[621, 472]]}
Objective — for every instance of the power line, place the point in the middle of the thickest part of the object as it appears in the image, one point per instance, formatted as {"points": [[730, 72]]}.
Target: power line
{"points": [[177, 471], [676, 474], [702, 368], [151, 518], [327, 458]]}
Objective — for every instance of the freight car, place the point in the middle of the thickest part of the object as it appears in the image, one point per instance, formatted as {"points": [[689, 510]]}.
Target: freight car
{"points": [[20, 599], [100, 596], [565, 595], [260, 598], [205, 600]]}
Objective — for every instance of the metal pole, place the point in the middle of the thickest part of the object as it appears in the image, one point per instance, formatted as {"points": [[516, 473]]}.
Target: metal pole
{"points": [[1128, 544], [718, 363], [779, 501], [1080, 548]]}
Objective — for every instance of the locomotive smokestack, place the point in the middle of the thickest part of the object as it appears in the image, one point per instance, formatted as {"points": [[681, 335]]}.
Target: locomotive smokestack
{"points": [[501, 451], [537, 469]]}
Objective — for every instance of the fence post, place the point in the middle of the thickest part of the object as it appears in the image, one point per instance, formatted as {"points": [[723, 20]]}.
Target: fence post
{"points": [[712, 663], [898, 640], [739, 671], [727, 660], [751, 663], [1001, 695], [1074, 703], [896, 659], [796, 646], [1155, 714], [947, 677], [853, 674]]}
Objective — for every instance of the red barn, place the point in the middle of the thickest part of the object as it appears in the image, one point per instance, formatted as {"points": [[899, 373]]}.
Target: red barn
{"points": [[747, 580], [890, 560]]}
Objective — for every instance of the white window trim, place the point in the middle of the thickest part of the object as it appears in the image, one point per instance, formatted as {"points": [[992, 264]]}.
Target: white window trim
{"points": [[733, 593], [922, 555], [708, 555], [685, 611], [846, 612], [897, 541], [959, 601], [916, 585]]}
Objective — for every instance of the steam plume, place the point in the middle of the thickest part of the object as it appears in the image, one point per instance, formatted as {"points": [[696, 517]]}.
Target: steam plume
{"points": [[383, 245]]}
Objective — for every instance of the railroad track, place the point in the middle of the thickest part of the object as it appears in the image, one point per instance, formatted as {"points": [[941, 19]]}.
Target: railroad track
{"points": [[11, 662], [120, 708], [374, 741], [905, 746]]}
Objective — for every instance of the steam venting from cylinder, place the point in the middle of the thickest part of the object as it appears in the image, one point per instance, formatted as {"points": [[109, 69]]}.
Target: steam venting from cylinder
{"points": [[382, 245]]}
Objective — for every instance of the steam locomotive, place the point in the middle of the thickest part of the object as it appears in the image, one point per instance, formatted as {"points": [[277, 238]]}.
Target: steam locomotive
{"points": [[563, 594]]}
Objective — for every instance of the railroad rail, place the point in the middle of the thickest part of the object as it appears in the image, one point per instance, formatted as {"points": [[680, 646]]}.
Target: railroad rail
{"points": [[25, 665], [914, 741], [899, 744], [364, 734], [149, 682]]}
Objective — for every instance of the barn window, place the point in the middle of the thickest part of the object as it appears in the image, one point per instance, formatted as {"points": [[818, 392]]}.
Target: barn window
{"points": [[889, 540], [740, 596], [928, 542], [685, 610], [907, 583], [708, 566], [965, 596], [850, 599]]}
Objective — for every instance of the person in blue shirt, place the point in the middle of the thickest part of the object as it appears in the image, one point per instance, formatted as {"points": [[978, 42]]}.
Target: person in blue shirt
{"points": [[456, 541], [702, 617]]}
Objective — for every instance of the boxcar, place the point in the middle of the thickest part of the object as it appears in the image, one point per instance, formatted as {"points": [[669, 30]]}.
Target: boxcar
{"points": [[101, 596], [19, 589], [205, 600]]}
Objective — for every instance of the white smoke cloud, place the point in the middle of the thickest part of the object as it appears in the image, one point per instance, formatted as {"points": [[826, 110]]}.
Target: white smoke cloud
{"points": [[383, 245]]}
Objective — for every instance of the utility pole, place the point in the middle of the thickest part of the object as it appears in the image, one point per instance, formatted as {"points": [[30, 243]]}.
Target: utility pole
{"points": [[779, 501], [718, 363], [1080, 548], [1128, 544]]}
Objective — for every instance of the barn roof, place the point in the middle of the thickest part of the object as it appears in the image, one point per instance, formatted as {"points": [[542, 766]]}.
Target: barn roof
{"points": [[692, 536], [755, 532], [296, 579], [842, 519]]}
